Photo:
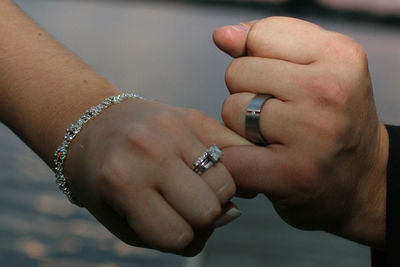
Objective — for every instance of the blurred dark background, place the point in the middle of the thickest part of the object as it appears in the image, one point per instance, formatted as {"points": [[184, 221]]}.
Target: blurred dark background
{"points": [[164, 51]]}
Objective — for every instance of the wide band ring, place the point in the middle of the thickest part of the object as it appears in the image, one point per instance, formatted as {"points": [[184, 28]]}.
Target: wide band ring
{"points": [[207, 159], [253, 131]]}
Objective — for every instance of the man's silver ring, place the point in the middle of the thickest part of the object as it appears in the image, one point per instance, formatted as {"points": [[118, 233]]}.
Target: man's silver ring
{"points": [[207, 159], [253, 119]]}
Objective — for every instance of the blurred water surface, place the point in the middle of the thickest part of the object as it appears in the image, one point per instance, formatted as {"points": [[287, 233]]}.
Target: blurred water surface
{"points": [[164, 51]]}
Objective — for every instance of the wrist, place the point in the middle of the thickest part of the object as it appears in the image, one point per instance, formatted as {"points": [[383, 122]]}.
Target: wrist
{"points": [[68, 110], [43, 86], [62, 151], [367, 220]]}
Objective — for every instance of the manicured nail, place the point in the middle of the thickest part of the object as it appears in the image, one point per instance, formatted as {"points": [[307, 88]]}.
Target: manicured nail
{"points": [[227, 217], [241, 27]]}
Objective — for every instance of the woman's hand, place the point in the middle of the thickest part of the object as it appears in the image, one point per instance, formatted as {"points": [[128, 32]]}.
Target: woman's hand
{"points": [[325, 167], [131, 168]]}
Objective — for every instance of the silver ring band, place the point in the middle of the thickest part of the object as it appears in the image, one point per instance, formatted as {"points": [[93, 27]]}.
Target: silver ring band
{"points": [[207, 159], [253, 119]]}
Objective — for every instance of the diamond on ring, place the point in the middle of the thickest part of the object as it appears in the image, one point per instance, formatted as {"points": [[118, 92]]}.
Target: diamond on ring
{"points": [[207, 159], [215, 153]]}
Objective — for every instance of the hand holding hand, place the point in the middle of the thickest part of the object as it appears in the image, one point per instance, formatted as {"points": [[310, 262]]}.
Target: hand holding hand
{"points": [[325, 167]]}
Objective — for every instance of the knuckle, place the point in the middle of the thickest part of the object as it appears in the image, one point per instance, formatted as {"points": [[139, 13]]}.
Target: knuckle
{"points": [[327, 90], [258, 29], [209, 216], [327, 133], [344, 48], [261, 27], [136, 133], [198, 120], [358, 55], [227, 192], [182, 241], [266, 29]]}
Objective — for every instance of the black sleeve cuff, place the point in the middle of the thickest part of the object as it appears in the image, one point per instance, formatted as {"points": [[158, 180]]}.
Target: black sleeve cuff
{"points": [[391, 257]]}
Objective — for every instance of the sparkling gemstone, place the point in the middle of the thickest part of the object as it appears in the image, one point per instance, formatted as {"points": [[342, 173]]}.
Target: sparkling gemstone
{"points": [[94, 111], [60, 180], [74, 129], [65, 144], [60, 153], [214, 152], [80, 122], [88, 112], [86, 117], [58, 168], [64, 188], [101, 106]]}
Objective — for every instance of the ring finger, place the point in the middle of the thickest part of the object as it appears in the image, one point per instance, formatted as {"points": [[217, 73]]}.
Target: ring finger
{"points": [[276, 121], [217, 176]]}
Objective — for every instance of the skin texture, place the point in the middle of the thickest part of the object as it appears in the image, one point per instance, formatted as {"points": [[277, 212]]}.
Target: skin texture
{"points": [[131, 169], [130, 166], [325, 167]]}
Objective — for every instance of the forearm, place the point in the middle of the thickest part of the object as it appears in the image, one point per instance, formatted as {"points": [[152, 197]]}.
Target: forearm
{"points": [[43, 86]]}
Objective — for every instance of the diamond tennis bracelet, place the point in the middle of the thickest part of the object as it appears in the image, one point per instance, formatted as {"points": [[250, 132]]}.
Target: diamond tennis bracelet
{"points": [[72, 131]]}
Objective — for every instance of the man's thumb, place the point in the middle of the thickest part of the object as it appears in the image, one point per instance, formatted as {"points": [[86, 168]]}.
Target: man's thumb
{"points": [[232, 39]]}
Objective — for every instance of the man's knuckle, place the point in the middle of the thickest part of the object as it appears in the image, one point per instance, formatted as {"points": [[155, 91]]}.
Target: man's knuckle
{"points": [[343, 48], [254, 37], [325, 132], [328, 90]]}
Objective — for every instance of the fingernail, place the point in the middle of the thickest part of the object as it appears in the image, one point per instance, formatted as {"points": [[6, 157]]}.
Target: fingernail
{"points": [[227, 217], [241, 27]]}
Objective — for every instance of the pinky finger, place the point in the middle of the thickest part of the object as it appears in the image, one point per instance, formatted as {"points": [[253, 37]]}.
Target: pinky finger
{"points": [[157, 223]]}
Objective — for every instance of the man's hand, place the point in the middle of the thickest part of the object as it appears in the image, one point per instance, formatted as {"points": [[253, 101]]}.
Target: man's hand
{"points": [[325, 167]]}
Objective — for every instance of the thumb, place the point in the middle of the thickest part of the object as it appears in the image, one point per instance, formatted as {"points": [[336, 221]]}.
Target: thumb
{"points": [[232, 39]]}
